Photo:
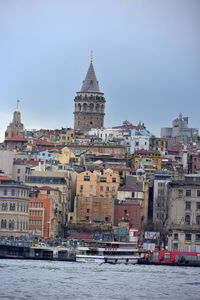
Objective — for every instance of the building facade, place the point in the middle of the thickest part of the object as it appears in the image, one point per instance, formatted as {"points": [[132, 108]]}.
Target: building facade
{"points": [[14, 214], [95, 194], [184, 214]]}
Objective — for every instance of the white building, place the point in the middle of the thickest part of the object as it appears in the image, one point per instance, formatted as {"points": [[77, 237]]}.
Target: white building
{"points": [[135, 142], [105, 134]]}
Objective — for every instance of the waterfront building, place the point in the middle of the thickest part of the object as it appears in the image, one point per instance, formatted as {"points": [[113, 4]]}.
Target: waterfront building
{"points": [[95, 194], [127, 212], [140, 195], [89, 103], [14, 215], [184, 213], [160, 199], [56, 177], [44, 212]]}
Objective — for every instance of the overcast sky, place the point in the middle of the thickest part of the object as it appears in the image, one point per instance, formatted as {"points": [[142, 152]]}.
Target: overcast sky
{"points": [[146, 59]]}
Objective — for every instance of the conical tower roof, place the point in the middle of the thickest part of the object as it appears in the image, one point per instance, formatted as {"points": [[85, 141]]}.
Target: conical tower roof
{"points": [[90, 84]]}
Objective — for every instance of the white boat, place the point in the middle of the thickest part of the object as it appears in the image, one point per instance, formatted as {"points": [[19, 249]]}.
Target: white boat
{"points": [[121, 252], [107, 252], [90, 254]]}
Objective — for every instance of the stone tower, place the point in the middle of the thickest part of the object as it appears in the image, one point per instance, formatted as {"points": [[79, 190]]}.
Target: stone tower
{"points": [[16, 128], [89, 103]]}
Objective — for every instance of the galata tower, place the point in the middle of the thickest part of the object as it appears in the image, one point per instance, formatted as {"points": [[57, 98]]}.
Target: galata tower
{"points": [[89, 103]]}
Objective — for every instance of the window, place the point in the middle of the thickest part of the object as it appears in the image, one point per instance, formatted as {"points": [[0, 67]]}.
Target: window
{"points": [[106, 219], [113, 179], [12, 206], [101, 188], [175, 247], [102, 179], [107, 189], [187, 220], [167, 256], [197, 237], [88, 210], [155, 255], [133, 194], [3, 223], [86, 178], [180, 193], [13, 192], [187, 205], [5, 192], [175, 236], [188, 193], [188, 236], [81, 188], [198, 220], [4, 206], [11, 224], [91, 187], [18, 171], [198, 205], [87, 218], [48, 192], [198, 193], [113, 189]]}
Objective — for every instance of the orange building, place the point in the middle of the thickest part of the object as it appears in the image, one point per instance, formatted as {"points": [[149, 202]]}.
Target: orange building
{"points": [[95, 194], [100, 184], [41, 211]]}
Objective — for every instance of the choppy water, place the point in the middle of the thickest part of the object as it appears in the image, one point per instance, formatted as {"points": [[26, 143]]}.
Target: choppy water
{"points": [[26, 279]]}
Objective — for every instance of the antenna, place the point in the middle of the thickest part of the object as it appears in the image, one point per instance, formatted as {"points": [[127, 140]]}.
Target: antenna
{"points": [[18, 103], [91, 57]]}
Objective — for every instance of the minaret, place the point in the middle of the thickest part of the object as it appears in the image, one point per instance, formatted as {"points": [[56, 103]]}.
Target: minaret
{"points": [[89, 103]]}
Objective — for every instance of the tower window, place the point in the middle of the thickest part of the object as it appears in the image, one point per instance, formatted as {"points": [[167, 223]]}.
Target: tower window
{"points": [[91, 82]]}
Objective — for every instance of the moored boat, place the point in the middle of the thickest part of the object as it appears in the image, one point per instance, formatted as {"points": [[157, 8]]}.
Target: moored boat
{"points": [[108, 252]]}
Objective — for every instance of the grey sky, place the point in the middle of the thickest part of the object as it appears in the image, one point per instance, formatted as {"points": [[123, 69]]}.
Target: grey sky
{"points": [[146, 59]]}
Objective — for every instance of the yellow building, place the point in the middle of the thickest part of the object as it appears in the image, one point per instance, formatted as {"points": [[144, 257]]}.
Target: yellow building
{"points": [[154, 156], [66, 136], [67, 156]]}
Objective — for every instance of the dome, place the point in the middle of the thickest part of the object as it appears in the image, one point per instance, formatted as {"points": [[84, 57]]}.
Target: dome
{"points": [[140, 172]]}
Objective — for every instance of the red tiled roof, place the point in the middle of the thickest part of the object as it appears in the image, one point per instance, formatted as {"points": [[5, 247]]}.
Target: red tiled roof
{"points": [[47, 188], [16, 139], [43, 142], [5, 178], [126, 189], [27, 162]]}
